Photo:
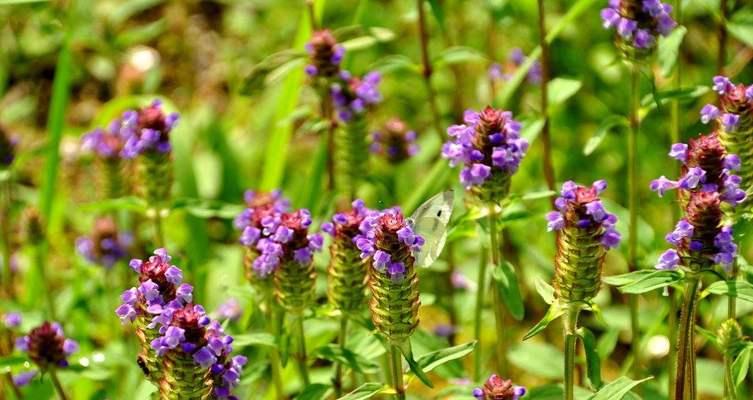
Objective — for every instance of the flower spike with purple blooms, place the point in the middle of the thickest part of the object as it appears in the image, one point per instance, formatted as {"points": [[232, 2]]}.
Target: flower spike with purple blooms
{"points": [[585, 232], [394, 142], [49, 349], [638, 25], [389, 244], [352, 96], [106, 245], [263, 209], [502, 72], [107, 145], [733, 120], [497, 388], [325, 55], [489, 148]]}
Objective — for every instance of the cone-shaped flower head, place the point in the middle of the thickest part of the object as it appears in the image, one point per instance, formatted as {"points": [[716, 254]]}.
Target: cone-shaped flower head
{"points": [[499, 72], [585, 232], [353, 96], [160, 289], [394, 142], [106, 245], [325, 55], [262, 208], [389, 244], [497, 388], [289, 252], [733, 121], [699, 239], [108, 146], [195, 354], [7, 149], [489, 148], [347, 272], [638, 25], [47, 346]]}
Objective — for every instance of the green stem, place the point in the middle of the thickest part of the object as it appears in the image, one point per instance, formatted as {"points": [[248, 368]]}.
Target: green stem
{"points": [[58, 386], [633, 205], [396, 366], [729, 383], [672, 321], [427, 70], [499, 310], [16, 391], [274, 354], [42, 272], [546, 141], [721, 57], [6, 200], [338, 379], [732, 300], [685, 387], [301, 356], [477, 313], [159, 236], [570, 328]]}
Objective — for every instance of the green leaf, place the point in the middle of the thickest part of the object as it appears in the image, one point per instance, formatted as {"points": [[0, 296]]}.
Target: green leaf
{"points": [[568, 20], [531, 129], [607, 342], [314, 391], [662, 97], [628, 278], [257, 76], [458, 55], [741, 364], [740, 289], [561, 89], [375, 35], [607, 125], [438, 11], [593, 361], [428, 362], [365, 391], [741, 26], [554, 312], [254, 339], [12, 361], [617, 389], [528, 357], [354, 361], [545, 290], [669, 49], [130, 203], [407, 352], [12, 2], [655, 280], [542, 194], [509, 291]]}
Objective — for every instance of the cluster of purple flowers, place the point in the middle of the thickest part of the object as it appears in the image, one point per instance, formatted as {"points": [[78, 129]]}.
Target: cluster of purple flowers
{"points": [[135, 132], [47, 346], [706, 182], [737, 102], [347, 224], [639, 21], [581, 207], [499, 72], [395, 141], [261, 209], [352, 95], [695, 177], [388, 239], [489, 141], [286, 238], [105, 246], [497, 388]]}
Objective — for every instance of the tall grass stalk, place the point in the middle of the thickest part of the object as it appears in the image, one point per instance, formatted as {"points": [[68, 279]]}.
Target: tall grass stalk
{"points": [[6, 201], [427, 70], [546, 140], [633, 184], [301, 357]]}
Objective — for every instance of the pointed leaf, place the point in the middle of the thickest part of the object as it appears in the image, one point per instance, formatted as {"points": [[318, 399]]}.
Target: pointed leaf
{"points": [[740, 289], [608, 124], [428, 362], [365, 391], [509, 292], [617, 389], [669, 49], [314, 391], [413, 365], [545, 290], [741, 364], [628, 278], [554, 312], [354, 361], [254, 339], [438, 12], [593, 361], [654, 280], [562, 89]]}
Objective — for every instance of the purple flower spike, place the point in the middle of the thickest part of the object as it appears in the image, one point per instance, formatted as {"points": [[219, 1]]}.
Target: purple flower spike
{"points": [[709, 112], [668, 260]]}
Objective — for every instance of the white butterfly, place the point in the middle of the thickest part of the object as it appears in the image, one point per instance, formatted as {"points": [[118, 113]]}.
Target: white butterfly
{"points": [[430, 221]]}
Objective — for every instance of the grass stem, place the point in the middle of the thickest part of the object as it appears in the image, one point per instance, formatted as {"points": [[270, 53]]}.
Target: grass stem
{"points": [[427, 70], [501, 337], [685, 386], [570, 328], [546, 140], [337, 381], [633, 184], [58, 386], [396, 366], [478, 311], [301, 358]]}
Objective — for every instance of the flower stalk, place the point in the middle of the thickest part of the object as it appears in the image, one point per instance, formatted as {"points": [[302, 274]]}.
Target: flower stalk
{"points": [[482, 273], [427, 70], [633, 206], [501, 337], [570, 329], [546, 140]]}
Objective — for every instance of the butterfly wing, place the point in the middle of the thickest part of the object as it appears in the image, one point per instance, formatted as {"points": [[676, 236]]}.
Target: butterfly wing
{"points": [[430, 221]]}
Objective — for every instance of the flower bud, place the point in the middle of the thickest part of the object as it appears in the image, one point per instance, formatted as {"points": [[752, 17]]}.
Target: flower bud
{"points": [[347, 272], [325, 55], [106, 245], [731, 338], [490, 148], [289, 251], [388, 243], [47, 346], [395, 142], [497, 388], [585, 232], [638, 25], [108, 145]]}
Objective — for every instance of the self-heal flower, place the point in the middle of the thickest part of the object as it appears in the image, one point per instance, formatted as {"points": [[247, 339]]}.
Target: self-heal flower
{"points": [[497, 388], [489, 148], [709, 112], [586, 232], [353, 96], [394, 142], [106, 245], [638, 24], [257, 223], [325, 55], [47, 346]]}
